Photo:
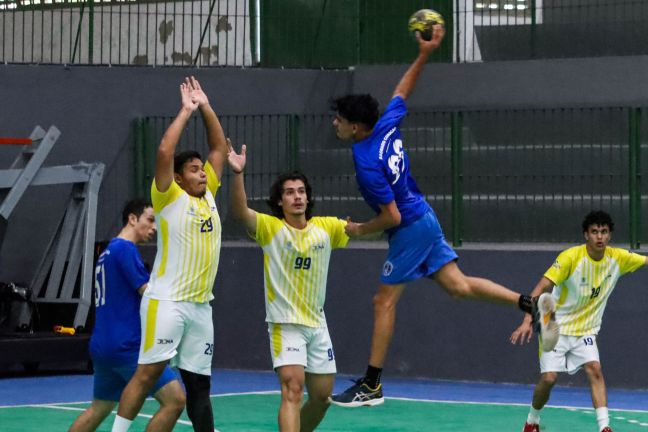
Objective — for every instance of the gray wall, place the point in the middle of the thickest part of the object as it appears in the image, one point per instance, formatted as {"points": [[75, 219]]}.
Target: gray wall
{"points": [[94, 108], [436, 336]]}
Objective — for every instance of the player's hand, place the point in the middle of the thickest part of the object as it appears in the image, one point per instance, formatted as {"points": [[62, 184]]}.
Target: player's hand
{"points": [[185, 96], [426, 47], [236, 161], [197, 94], [522, 334], [352, 229]]}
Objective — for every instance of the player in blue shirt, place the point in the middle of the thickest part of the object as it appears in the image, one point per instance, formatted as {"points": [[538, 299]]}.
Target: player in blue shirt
{"points": [[417, 247], [120, 280]]}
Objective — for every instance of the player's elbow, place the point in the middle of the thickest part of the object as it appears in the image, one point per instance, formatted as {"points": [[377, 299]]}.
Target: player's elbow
{"points": [[394, 218]]}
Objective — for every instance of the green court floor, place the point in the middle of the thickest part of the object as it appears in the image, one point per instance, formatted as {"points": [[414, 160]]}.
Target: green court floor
{"points": [[258, 412]]}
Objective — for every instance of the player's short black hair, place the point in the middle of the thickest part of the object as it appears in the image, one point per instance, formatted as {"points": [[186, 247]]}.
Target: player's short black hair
{"points": [[276, 190], [597, 217], [136, 207], [357, 108], [183, 157]]}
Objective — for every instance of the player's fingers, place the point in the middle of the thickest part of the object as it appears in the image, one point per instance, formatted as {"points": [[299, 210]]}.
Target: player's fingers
{"points": [[243, 149], [229, 145], [417, 34]]}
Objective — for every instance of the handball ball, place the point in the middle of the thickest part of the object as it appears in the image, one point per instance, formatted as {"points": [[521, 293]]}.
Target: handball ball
{"points": [[423, 20]]}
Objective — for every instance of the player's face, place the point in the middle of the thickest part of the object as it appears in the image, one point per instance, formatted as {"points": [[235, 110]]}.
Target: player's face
{"points": [[597, 237], [294, 198], [344, 129], [145, 225], [193, 179]]}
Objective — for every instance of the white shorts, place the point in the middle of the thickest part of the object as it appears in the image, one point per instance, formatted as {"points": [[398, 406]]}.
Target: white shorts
{"points": [[182, 331], [294, 344], [570, 354]]}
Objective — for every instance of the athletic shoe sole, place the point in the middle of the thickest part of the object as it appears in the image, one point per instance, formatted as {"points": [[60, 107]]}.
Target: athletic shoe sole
{"points": [[370, 402]]}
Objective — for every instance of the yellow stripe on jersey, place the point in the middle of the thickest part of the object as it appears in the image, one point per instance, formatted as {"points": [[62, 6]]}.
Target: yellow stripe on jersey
{"points": [[151, 321], [188, 243], [583, 286], [295, 267], [164, 233]]}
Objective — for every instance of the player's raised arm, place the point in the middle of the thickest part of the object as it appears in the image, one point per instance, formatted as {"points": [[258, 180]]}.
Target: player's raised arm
{"points": [[215, 136], [238, 198], [408, 81], [166, 151], [523, 333]]}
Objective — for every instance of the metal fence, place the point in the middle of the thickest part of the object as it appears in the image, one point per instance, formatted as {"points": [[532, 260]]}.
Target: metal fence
{"points": [[491, 176], [311, 33]]}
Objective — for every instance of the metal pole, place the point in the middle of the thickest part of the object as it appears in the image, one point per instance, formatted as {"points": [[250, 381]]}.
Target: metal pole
{"points": [[634, 175], [456, 125]]}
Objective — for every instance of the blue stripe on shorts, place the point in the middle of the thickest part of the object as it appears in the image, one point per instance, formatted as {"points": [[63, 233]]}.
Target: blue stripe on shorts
{"points": [[416, 251]]}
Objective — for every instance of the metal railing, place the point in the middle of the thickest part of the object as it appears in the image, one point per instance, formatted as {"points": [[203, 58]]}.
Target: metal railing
{"points": [[311, 33], [523, 175]]}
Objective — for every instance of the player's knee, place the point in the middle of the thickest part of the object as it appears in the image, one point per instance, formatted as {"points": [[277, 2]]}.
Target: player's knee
{"points": [[384, 302], [549, 379], [458, 288], [594, 371], [292, 390]]}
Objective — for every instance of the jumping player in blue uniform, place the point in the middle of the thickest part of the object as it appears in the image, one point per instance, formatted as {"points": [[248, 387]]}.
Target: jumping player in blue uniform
{"points": [[120, 280], [417, 247]]}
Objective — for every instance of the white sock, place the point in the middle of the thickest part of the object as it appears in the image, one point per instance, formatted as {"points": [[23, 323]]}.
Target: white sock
{"points": [[534, 416], [602, 417], [121, 424]]}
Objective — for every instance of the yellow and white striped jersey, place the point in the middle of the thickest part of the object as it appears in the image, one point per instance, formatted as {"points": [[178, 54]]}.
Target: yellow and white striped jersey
{"points": [[188, 243], [295, 267], [583, 286]]}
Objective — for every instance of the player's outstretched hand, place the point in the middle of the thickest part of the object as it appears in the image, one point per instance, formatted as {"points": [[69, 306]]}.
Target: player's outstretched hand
{"points": [[426, 47], [352, 229], [235, 160], [522, 334], [185, 96], [197, 94]]}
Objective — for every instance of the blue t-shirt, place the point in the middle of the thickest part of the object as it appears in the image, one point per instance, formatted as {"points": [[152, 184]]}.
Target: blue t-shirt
{"points": [[382, 167], [120, 272]]}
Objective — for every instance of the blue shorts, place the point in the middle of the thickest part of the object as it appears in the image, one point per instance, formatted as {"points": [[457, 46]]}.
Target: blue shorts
{"points": [[416, 251], [110, 381]]}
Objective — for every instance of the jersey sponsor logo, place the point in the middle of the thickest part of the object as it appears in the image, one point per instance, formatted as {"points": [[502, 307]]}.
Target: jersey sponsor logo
{"points": [[383, 144], [388, 267], [396, 161], [292, 349], [164, 341], [318, 246]]}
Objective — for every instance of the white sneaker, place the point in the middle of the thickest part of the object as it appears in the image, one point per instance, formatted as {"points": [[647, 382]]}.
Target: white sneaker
{"points": [[544, 319]]}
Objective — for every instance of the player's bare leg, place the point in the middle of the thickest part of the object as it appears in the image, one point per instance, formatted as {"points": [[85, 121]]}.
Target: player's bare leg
{"points": [[291, 378], [320, 387]]}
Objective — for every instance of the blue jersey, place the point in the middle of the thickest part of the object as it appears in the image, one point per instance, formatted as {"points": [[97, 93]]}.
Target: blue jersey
{"points": [[382, 167], [120, 272]]}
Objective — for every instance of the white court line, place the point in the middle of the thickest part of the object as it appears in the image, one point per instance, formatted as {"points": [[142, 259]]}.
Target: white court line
{"points": [[66, 408]]}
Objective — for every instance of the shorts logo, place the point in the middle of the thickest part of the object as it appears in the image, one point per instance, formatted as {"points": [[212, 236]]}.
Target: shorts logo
{"points": [[164, 341], [292, 349], [388, 267]]}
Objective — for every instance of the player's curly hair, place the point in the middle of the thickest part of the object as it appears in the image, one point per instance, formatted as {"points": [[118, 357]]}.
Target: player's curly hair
{"points": [[597, 217], [276, 190], [183, 157], [357, 108]]}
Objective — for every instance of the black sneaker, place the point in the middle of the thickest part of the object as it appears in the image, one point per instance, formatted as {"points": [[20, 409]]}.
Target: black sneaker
{"points": [[544, 321], [359, 394]]}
